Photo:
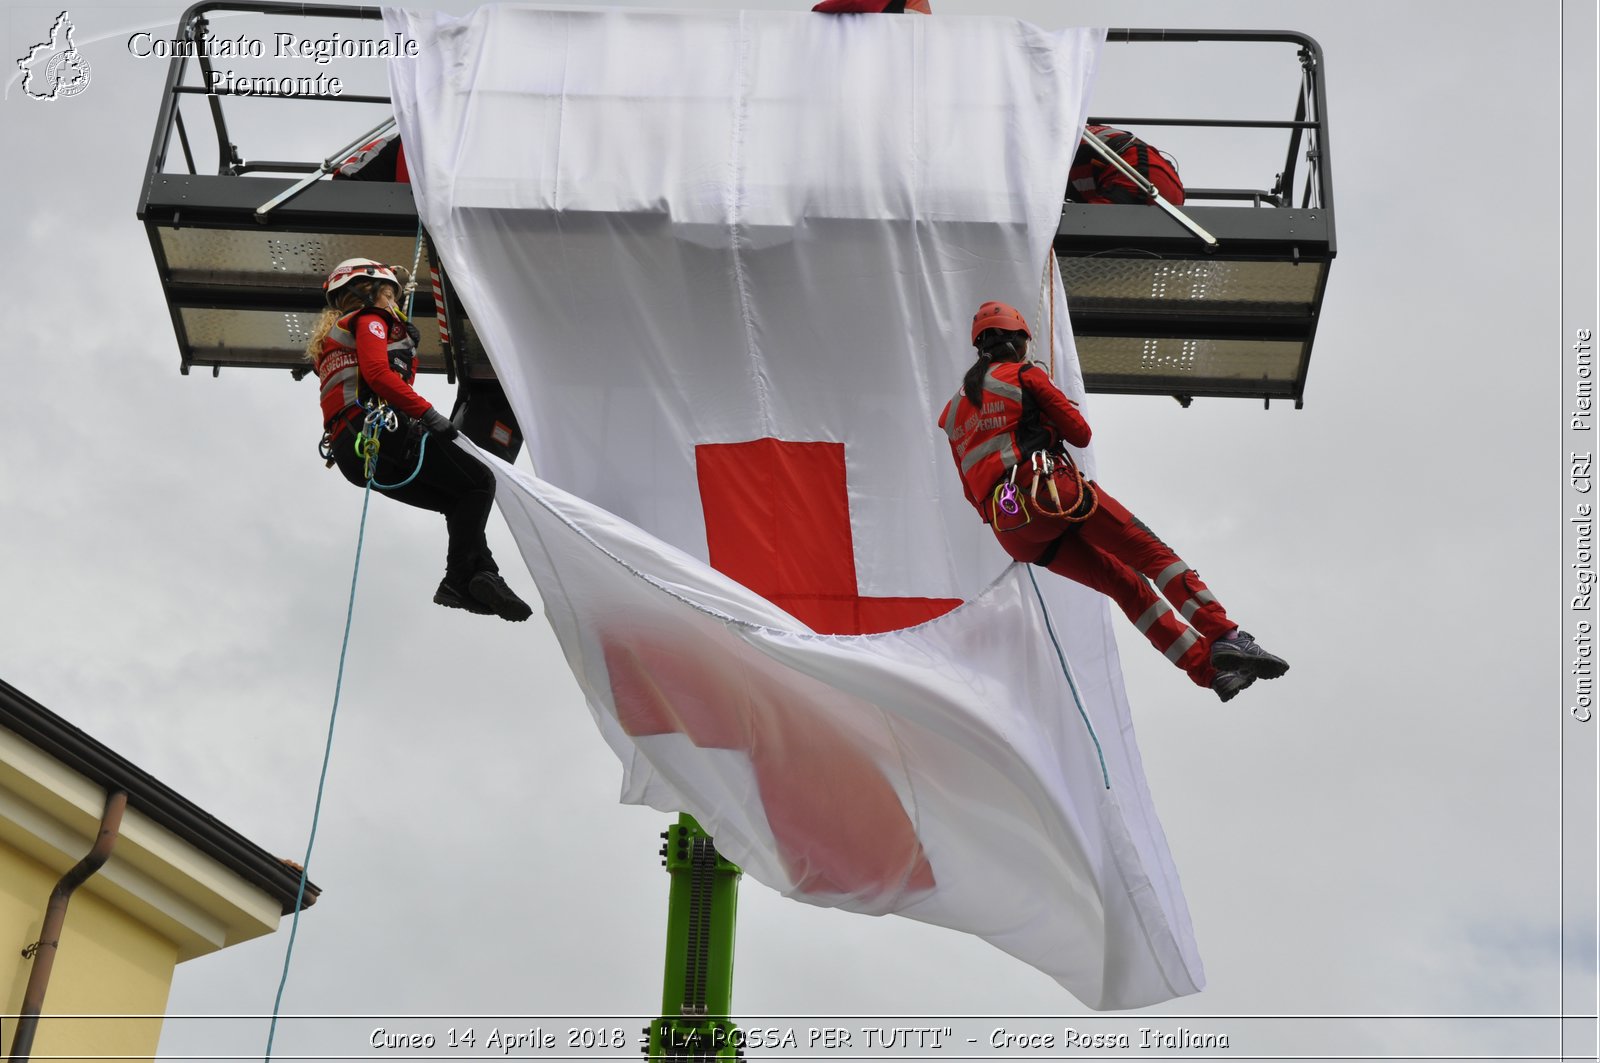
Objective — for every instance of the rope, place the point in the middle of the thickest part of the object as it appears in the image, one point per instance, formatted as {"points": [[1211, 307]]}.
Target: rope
{"points": [[1040, 309], [411, 278], [367, 448], [1066, 671], [381, 418], [1047, 306], [422, 452], [322, 780], [1050, 267]]}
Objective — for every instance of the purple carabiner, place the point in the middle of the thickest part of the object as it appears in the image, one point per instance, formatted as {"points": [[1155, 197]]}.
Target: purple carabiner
{"points": [[1008, 500]]}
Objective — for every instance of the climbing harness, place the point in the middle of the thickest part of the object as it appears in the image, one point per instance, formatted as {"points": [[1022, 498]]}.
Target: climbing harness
{"points": [[379, 418], [1010, 510], [335, 426]]}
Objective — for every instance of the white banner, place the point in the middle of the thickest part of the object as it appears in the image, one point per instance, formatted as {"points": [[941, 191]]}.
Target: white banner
{"points": [[725, 264]]}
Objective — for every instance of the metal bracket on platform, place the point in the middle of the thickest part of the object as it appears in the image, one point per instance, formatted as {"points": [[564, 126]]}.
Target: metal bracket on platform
{"points": [[329, 164], [1100, 148]]}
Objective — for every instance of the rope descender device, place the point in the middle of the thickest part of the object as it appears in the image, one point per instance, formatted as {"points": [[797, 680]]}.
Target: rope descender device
{"points": [[380, 418], [1007, 499]]}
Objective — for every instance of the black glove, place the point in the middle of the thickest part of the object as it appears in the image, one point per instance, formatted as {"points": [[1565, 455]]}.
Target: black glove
{"points": [[439, 424]]}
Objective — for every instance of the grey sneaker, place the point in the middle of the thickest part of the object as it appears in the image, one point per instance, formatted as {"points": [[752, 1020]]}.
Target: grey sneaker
{"points": [[1242, 654], [1228, 684], [488, 589]]}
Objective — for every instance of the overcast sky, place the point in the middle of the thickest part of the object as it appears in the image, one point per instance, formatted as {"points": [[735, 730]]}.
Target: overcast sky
{"points": [[1376, 834]]}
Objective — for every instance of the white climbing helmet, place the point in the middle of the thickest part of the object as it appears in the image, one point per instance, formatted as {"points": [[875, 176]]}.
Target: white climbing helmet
{"points": [[353, 268]]}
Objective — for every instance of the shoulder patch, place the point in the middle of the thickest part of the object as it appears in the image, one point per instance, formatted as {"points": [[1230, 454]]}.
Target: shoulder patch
{"points": [[377, 328]]}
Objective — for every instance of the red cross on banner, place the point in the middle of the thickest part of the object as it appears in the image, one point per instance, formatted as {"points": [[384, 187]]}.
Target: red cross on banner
{"points": [[778, 521]]}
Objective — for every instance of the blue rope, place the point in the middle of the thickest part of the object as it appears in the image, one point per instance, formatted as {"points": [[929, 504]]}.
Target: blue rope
{"points": [[369, 439], [1062, 657], [422, 452], [327, 753]]}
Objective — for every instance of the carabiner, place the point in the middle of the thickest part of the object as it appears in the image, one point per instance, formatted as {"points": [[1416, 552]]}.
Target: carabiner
{"points": [[1008, 500]]}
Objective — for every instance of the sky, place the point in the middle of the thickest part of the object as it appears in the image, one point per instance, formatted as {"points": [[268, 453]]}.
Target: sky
{"points": [[1403, 826]]}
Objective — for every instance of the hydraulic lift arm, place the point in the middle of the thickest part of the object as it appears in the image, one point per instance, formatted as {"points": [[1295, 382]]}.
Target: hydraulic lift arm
{"points": [[697, 986]]}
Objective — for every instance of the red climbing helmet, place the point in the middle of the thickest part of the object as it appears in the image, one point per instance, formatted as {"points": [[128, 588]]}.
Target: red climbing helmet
{"points": [[998, 315]]}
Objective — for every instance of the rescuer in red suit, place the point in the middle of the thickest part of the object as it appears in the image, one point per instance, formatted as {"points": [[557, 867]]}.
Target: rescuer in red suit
{"points": [[1006, 426], [364, 348], [872, 7], [1093, 180]]}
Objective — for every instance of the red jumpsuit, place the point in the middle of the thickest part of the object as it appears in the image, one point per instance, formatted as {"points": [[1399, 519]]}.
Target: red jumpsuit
{"points": [[1093, 180], [856, 7], [1020, 411]]}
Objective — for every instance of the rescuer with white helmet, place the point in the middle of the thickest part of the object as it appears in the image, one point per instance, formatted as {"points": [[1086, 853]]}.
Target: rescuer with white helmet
{"points": [[365, 350]]}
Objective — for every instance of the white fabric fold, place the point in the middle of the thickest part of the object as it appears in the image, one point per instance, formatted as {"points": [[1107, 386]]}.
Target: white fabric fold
{"points": [[942, 772]]}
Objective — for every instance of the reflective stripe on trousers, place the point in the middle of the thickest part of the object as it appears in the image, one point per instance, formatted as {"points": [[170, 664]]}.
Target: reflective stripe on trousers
{"points": [[1117, 554]]}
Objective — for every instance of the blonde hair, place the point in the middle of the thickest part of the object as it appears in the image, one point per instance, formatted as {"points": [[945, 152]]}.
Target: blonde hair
{"points": [[349, 299], [319, 332]]}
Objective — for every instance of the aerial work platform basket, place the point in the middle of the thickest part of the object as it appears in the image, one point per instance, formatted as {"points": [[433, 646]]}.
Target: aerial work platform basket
{"points": [[242, 246], [1158, 310]]}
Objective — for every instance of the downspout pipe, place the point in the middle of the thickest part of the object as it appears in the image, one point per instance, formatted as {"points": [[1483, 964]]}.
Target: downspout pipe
{"points": [[55, 917]]}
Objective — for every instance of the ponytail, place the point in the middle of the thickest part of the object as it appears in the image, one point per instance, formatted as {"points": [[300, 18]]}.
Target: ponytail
{"points": [[972, 383], [993, 344]]}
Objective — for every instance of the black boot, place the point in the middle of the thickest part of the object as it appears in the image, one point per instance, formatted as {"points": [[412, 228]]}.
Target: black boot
{"points": [[489, 590], [453, 597]]}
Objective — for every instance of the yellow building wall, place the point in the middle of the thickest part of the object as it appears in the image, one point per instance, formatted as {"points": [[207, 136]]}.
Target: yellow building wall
{"points": [[108, 964]]}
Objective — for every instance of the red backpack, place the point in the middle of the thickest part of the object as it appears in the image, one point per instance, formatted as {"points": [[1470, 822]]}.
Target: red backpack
{"points": [[1093, 180]]}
